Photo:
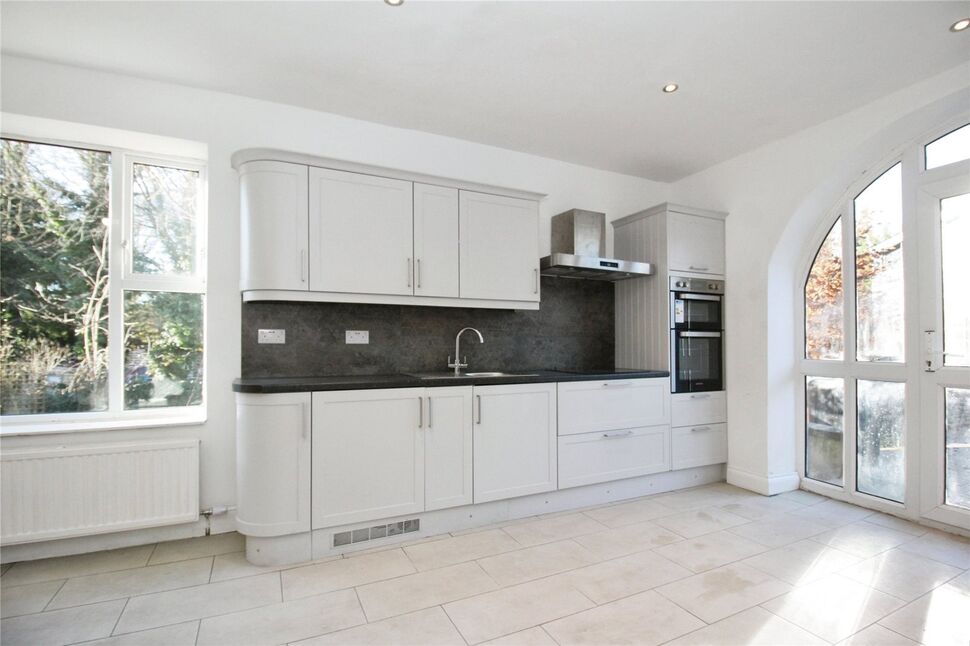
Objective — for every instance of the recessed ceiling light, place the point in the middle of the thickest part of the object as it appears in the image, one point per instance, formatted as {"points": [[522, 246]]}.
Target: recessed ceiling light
{"points": [[960, 25], [670, 87], [394, 3]]}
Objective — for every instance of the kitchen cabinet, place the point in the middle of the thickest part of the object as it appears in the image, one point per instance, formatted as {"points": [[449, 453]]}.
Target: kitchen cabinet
{"points": [[696, 446], [368, 455], [448, 447], [273, 464], [436, 247], [586, 406], [514, 440], [691, 409], [695, 244], [274, 227], [361, 233], [603, 456], [499, 247]]}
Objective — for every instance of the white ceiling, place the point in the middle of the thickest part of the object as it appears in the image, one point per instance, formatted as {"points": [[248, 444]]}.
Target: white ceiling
{"points": [[575, 81]]}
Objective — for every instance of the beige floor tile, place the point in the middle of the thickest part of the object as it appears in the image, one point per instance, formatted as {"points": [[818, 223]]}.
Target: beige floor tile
{"points": [[4, 567], [235, 566], [508, 610], [645, 619], [499, 524], [344, 573], [947, 548], [627, 513], [863, 539], [696, 498], [900, 525], [177, 606], [65, 567], [834, 607], [459, 549], [429, 627], [284, 622], [193, 548], [802, 562], [710, 551], [719, 593], [423, 590], [26, 599], [612, 580], [802, 497], [61, 626], [128, 583], [752, 627], [876, 635], [535, 562], [776, 531], [556, 528], [627, 539], [690, 524], [834, 513], [528, 637], [177, 635], [961, 582], [901, 574], [939, 618], [760, 508]]}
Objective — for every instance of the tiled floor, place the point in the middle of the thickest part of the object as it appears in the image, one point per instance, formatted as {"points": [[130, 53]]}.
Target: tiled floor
{"points": [[713, 565]]}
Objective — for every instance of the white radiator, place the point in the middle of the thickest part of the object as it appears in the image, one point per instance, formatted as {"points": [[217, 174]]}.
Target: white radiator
{"points": [[75, 491]]}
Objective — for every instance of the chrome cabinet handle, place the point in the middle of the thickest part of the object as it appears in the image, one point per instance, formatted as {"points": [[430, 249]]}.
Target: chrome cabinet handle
{"points": [[535, 289], [420, 412], [419, 273], [700, 396], [700, 428], [429, 411], [620, 384], [698, 268], [302, 265], [618, 434], [478, 399], [409, 272]]}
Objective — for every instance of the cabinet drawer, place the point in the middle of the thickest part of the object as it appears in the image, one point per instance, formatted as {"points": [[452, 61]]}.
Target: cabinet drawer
{"points": [[696, 446], [588, 406], [611, 455], [690, 409]]}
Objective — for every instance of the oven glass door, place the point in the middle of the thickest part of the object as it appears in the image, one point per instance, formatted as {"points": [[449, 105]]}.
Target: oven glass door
{"points": [[696, 312], [696, 361]]}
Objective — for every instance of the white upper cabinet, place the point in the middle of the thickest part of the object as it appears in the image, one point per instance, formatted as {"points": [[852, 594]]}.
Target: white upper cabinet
{"points": [[499, 247], [435, 241], [695, 244], [273, 206], [361, 230]]}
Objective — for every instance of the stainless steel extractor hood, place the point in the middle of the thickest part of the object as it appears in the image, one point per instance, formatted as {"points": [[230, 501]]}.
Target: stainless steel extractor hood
{"points": [[578, 246]]}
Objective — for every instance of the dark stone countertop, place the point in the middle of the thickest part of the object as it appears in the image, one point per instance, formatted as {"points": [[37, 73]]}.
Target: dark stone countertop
{"points": [[271, 385]]}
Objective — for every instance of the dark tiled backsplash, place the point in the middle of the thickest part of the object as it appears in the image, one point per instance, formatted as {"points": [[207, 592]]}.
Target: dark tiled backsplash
{"points": [[572, 329]]}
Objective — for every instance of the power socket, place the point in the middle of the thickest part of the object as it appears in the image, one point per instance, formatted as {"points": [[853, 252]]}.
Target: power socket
{"points": [[357, 336], [271, 336]]}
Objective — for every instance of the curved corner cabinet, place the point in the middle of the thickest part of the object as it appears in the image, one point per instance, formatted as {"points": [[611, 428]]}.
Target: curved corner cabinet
{"points": [[323, 230]]}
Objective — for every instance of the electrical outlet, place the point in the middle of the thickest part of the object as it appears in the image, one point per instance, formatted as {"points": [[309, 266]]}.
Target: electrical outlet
{"points": [[358, 336], [272, 336]]}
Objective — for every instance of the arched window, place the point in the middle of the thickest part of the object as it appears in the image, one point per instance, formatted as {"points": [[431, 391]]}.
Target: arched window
{"points": [[886, 339]]}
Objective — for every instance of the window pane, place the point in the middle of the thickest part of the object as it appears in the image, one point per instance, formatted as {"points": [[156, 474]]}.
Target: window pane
{"points": [[163, 349], [824, 409], [880, 439], [957, 447], [949, 148], [53, 278], [955, 229], [164, 205], [823, 299], [879, 269]]}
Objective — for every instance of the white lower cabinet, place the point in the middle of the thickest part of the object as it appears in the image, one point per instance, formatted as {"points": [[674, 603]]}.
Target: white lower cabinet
{"points": [[696, 446], [273, 463], [698, 408], [612, 455], [586, 406], [515, 440], [448, 447]]}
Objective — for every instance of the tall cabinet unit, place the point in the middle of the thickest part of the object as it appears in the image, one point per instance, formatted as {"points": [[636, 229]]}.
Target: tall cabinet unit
{"points": [[680, 241]]}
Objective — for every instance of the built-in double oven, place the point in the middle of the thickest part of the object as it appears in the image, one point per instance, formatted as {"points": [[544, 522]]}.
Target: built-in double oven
{"points": [[696, 334]]}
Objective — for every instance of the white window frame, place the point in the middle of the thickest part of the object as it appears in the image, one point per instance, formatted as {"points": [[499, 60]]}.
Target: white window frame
{"points": [[121, 278]]}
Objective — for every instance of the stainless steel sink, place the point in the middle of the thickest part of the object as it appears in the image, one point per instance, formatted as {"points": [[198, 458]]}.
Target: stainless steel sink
{"points": [[466, 375]]}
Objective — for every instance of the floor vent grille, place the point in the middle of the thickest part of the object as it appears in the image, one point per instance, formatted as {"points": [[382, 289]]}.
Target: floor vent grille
{"points": [[377, 531]]}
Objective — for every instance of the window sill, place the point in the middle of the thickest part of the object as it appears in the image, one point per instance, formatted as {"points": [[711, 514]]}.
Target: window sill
{"points": [[14, 427]]}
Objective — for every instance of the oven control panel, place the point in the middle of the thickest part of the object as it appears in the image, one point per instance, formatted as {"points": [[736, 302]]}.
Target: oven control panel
{"points": [[696, 285]]}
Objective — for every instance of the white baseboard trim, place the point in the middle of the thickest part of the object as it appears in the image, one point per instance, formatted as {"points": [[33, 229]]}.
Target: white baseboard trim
{"points": [[765, 485]]}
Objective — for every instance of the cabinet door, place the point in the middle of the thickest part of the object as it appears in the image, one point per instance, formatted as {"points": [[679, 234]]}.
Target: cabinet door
{"points": [[515, 440], [695, 243], [586, 406], [435, 241], [273, 463], [274, 228], [368, 455], [360, 233], [499, 247], [448, 448]]}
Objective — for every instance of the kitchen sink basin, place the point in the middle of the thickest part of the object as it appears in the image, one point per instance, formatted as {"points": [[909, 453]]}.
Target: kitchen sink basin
{"points": [[466, 375]]}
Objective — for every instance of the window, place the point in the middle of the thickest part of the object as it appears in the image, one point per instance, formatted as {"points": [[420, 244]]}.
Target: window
{"points": [[951, 147], [102, 283]]}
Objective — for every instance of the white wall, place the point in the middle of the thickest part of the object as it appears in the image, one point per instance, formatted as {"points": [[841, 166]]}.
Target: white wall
{"points": [[777, 197], [227, 123]]}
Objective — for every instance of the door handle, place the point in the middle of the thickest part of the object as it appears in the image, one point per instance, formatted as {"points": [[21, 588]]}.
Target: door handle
{"points": [[302, 265], [698, 268], [419, 273], [478, 400], [409, 272], [420, 412], [620, 384], [535, 288], [429, 411], [700, 428], [700, 396], [618, 434]]}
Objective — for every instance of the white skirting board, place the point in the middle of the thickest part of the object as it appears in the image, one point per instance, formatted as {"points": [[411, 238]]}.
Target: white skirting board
{"points": [[765, 485], [62, 492]]}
